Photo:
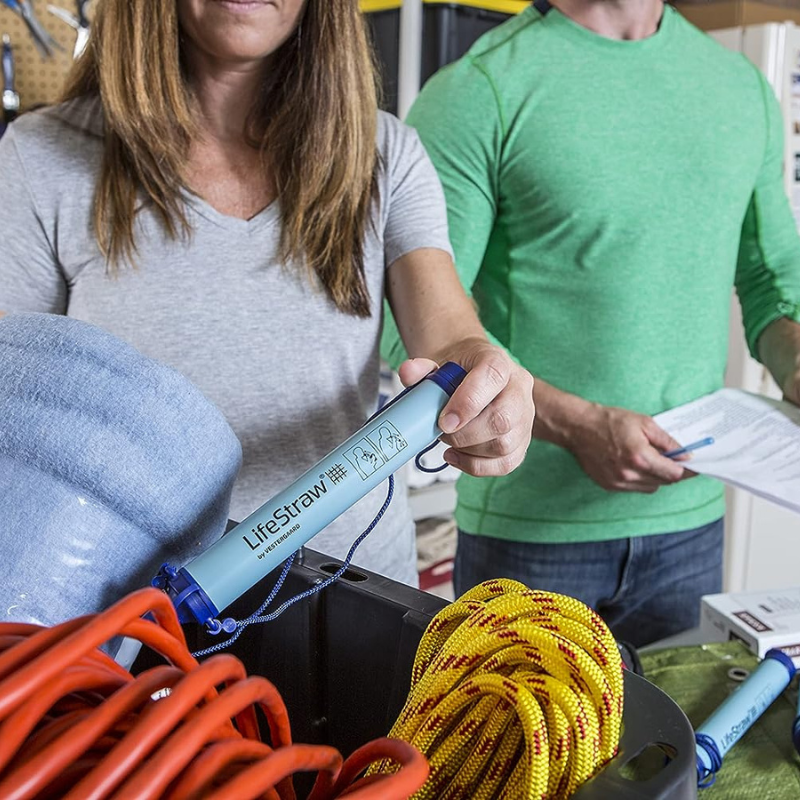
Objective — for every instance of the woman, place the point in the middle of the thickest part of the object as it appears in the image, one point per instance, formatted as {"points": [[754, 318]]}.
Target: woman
{"points": [[219, 190]]}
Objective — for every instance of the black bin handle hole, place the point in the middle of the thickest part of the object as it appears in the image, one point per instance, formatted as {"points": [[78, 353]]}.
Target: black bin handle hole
{"points": [[648, 762], [348, 575]]}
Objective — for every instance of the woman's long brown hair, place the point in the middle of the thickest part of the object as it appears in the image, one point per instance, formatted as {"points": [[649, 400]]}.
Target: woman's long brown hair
{"points": [[315, 123]]}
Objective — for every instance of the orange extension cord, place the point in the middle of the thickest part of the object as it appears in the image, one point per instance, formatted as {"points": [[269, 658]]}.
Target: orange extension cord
{"points": [[76, 725]]}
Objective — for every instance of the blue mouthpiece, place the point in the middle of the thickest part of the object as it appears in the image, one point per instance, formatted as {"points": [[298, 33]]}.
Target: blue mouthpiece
{"points": [[780, 656], [448, 376], [188, 597]]}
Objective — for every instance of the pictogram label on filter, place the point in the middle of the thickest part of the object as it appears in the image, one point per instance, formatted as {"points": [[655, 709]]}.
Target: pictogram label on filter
{"points": [[371, 452]]}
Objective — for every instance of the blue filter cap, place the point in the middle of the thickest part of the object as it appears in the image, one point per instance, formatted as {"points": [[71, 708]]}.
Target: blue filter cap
{"points": [[190, 600], [448, 377]]}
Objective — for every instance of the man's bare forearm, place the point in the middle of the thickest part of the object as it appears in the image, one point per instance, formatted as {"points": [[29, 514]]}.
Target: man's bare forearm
{"points": [[779, 350]]}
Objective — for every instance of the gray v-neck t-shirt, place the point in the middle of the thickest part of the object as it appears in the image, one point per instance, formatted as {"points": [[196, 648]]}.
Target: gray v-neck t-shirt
{"points": [[293, 375]]}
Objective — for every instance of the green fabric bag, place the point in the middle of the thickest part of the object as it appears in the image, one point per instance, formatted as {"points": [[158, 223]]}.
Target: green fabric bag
{"points": [[763, 764]]}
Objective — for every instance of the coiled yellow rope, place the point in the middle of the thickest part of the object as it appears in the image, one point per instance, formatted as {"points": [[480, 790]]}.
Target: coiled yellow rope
{"points": [[515, 693]]}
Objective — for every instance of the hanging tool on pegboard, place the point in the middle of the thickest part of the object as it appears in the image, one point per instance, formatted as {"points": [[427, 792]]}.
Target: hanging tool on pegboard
{"points": [[45, 43], [10, 97], [79, 21]]}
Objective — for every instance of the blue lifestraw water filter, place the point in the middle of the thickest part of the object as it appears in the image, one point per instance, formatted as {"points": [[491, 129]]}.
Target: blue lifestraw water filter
{"points": [[226, 570], [739, 711]]}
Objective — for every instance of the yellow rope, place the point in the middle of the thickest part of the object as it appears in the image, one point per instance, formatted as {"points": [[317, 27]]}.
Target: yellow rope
{"points": [[515, 693]]}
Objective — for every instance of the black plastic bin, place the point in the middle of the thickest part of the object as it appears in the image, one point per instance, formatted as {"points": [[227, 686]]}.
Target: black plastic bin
{"points": [[342, 661], [383, 19], [450, 29]]}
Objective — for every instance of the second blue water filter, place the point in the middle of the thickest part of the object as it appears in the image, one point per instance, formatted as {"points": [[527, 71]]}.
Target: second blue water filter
{"points": [[231, 566], [739, 711]]}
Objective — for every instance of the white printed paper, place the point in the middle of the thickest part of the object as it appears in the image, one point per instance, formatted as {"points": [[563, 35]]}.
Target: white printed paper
{"points": [[756, 442]]}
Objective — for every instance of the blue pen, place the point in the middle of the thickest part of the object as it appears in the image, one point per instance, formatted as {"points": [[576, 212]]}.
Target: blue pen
{"points": [[689, 447]]}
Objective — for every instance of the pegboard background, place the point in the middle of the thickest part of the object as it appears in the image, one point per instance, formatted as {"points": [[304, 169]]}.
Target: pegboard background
{"points": [[39, 80]]}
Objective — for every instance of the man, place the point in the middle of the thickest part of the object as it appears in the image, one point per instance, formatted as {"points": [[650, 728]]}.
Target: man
{"points": [[610, 173]]}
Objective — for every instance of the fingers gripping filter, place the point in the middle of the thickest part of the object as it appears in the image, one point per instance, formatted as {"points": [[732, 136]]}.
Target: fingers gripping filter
{"points": [[110, 463]]}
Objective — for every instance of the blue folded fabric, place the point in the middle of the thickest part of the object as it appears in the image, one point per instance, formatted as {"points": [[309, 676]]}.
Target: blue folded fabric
{"points": [[110, 464]]}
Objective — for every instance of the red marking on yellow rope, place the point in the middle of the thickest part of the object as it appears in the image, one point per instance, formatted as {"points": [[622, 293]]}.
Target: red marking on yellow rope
{"points": [[528, 696]]}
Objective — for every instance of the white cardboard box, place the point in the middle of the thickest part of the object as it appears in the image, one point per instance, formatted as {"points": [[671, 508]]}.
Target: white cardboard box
{"points": [[762, 620]]}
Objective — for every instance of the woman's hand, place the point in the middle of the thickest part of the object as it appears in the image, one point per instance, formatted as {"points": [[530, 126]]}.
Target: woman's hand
{"points": [[489, 419], [488, 422]]}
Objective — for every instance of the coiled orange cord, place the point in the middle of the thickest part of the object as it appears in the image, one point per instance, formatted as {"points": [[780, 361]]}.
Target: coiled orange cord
{"points": [[76, 725]]}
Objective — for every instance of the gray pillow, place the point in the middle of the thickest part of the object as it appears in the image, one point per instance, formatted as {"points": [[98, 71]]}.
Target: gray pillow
{"points": [[110, 464]]}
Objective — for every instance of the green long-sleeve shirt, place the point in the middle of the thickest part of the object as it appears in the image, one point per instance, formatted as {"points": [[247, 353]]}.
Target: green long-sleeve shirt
{"points": [[603, 197]]}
